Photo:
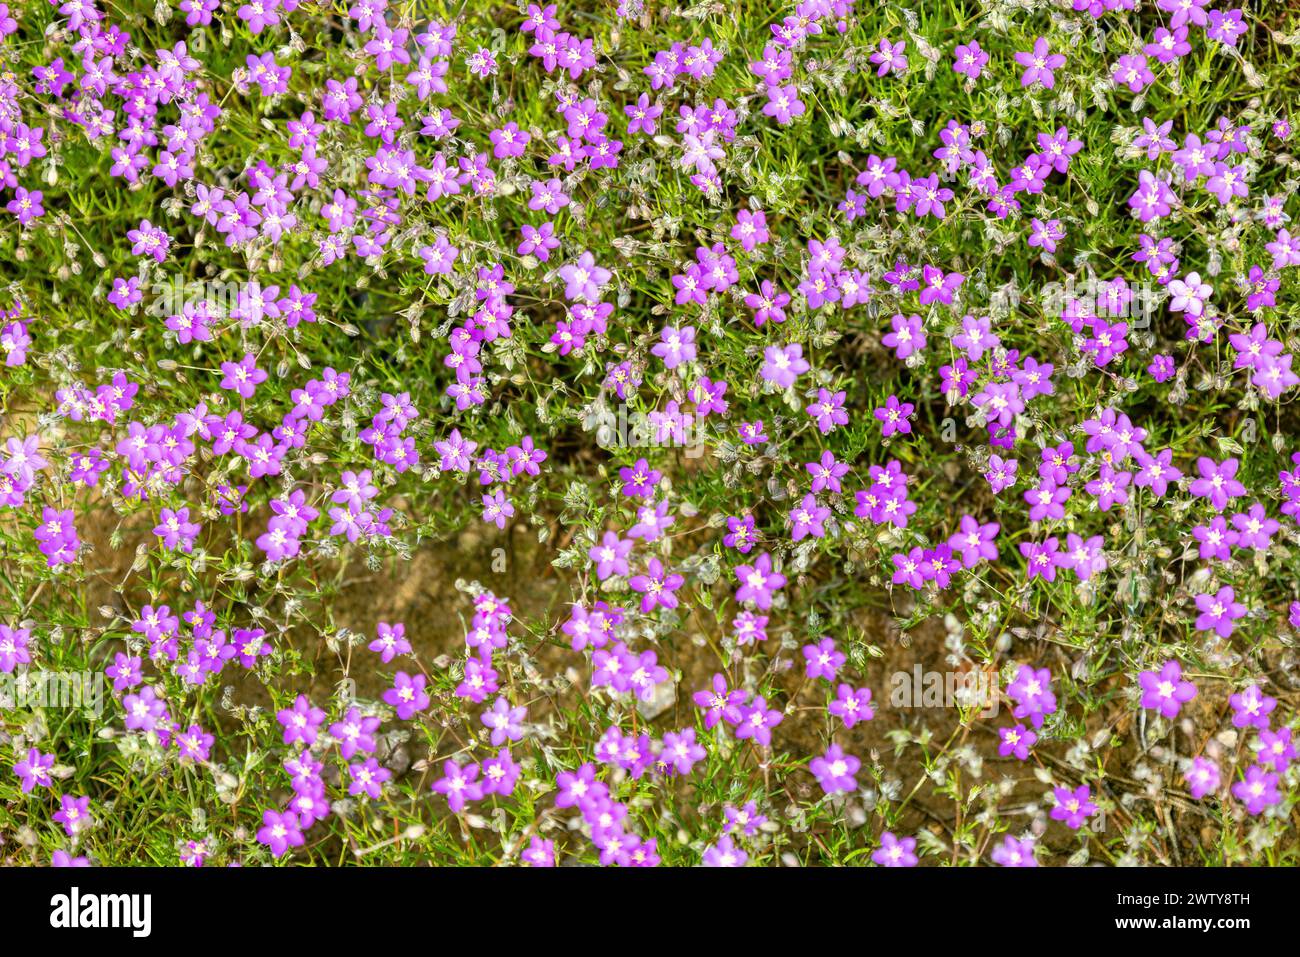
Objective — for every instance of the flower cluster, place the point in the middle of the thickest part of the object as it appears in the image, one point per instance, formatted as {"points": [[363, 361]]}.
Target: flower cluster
{"points": [[948, 343]]}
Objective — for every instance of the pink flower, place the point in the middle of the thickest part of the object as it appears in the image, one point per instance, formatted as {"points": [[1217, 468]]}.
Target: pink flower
{"points": [[1219, 611], [1165, 690], [783, 104], [783, 364], [1132, 71], [969, 59], [890, 57], [242, 377], [1039, 64]]}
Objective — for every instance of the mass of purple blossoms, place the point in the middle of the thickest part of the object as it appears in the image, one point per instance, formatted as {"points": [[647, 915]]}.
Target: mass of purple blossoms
{"points": [[762, 364]]}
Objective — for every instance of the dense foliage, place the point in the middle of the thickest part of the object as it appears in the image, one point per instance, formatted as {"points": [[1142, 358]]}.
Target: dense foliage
{"points": [[636, 433]]}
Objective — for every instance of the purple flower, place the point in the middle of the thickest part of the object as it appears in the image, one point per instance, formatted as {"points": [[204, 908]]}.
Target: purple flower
{"points": [[783, 103], [975, 337], [1217, 482], [894, 851], [823, 660], [908, 336], [368, 778], [1032, 692], [1257, 789], [1046, 235], [1047, 501], [1227, 182], [767, 304], [391, 642], [26, 205], [505, 722], [851, 705], [894, 417], [1040, 558], [577, 788], [750, 229], [500, 774], [1167, 46], [807, 518], [1109, 487], [547, 195], [937, 285], [724, 853], [835, 770], [828, 411], [1015, 853], [407, 695], [280, 831], [497, 508], [538, 853], [1084, 557], [642, 115], [1251, 708], [969, 59], [73, 814], [758, 582], [176, 530], [1202, 777], [1165, 690], [301, 722], [656, 587], [1219, 611], [1254, 528], [479, 682], [583, 279], [34, 770], [511, 141], [145, 711], [1184, 11], [612, 553], [1132, 71], [720, 703], [974, 541], [1039, 64], [749, 628], [14, 648], [1057, 148], [757, 721], [676, 346], [1153, 198], [681, 751], [1017, 741], [783, 364], [1276, 749], [1216, 539], [826, 473], [1073, 807], [1156, 471], [747, 820], [242, 377], [355, 733], [459, 783], [889, 57]]}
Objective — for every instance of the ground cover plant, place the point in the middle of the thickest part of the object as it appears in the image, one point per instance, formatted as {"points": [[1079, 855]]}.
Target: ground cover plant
{"points": [[646, 433]]}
